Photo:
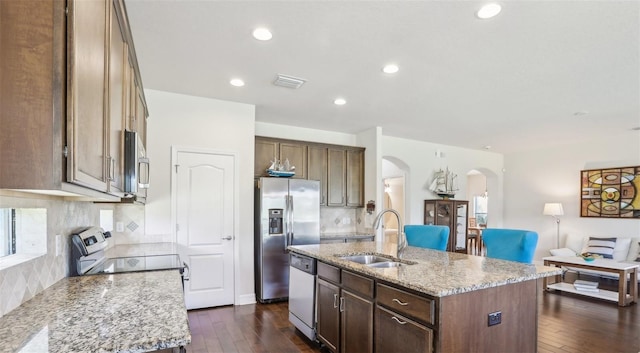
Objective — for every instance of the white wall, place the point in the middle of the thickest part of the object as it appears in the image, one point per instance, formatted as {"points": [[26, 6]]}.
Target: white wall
{"points": [[422, 162], [188, 121], [304, 134], [553, 175], [476, 185]]}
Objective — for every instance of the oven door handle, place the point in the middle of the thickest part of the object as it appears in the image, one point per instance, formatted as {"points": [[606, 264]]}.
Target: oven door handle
{"points": [[185, 277]]}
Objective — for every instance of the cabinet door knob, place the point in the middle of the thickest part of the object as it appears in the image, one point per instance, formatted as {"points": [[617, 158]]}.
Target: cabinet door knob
{"points": [[399, 302], [341, 304], [335, 301], [398, 320], [228, 237]]}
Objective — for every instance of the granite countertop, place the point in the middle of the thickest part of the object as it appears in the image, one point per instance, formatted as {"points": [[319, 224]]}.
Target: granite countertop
{"points": [[345, 236], [127, 312], [436, 273]]}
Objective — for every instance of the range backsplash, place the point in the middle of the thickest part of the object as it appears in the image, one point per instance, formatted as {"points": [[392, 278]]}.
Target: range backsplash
{"points": [[21, 282], [335, 220]]}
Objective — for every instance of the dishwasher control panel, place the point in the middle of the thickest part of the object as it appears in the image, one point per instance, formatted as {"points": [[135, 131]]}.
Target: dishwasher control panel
{"points": [[304, 263]]}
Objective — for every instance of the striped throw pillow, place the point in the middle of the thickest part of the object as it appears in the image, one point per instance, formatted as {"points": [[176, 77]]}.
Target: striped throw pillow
{"points": [[601, 246]]}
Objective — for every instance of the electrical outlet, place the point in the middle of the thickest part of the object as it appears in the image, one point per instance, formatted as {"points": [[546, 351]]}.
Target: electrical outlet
{"points": [[119, 227], [495, 318]]}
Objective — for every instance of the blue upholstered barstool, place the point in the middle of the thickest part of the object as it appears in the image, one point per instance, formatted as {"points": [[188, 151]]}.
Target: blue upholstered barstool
{"points": [[427, 236], [510, 244]]}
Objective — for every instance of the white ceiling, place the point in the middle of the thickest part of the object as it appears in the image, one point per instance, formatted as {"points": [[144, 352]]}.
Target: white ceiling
{"points": [[514, 82]]}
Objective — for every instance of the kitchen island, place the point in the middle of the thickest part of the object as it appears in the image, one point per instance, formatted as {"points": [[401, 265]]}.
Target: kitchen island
{"points": [[127, 312], [434, 302]]}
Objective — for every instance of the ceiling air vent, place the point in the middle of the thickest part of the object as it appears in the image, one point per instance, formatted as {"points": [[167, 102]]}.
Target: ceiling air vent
{"points": [[288, 81]]}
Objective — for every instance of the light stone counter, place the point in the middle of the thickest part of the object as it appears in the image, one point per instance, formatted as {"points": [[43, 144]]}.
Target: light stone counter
{"points": [[127, 312], [436, 273]]}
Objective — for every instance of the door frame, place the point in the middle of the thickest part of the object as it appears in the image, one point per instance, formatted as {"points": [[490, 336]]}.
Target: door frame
{"points": [[236, 202]]}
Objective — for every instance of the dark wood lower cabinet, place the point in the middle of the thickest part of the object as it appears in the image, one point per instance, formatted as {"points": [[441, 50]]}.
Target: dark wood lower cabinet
{"points": [[345, 320], [357, 324], [328, 314], [360, 314], [396, 333]]}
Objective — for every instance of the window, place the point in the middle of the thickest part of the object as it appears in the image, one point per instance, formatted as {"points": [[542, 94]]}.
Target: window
{"points": [[7, 232], [480, 210], [23, 231]]}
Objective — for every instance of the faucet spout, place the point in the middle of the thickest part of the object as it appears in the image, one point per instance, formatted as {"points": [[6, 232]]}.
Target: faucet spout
{"points": [[402, 239]]}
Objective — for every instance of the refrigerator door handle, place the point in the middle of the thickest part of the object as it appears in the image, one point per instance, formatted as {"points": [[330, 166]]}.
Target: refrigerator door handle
{"points": [[286, 222], [291, 229]]}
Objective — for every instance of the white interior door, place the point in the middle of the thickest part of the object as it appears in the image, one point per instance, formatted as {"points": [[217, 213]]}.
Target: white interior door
{"points": [[204, 213]]}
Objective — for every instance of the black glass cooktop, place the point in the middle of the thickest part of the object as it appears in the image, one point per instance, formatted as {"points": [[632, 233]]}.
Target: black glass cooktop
{"points": [[138, 263]]}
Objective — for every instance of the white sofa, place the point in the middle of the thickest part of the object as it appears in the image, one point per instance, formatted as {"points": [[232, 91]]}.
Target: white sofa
{"points": [[627, 249]]}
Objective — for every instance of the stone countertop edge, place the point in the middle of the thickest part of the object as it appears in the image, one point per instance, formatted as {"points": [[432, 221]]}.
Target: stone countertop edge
{"points": [[126, 312], [435, 273]]}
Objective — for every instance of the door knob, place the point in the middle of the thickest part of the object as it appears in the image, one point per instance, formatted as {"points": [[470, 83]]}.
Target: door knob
{"points": [[227, 237]]}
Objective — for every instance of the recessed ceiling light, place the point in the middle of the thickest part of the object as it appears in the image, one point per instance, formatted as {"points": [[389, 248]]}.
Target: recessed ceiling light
{"points": [[339, 101], [390, 69], [237, 82], [262, 34], [489, 10]]}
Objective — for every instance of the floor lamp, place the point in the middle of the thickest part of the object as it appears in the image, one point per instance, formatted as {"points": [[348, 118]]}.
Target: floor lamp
{"points": [[555, 210]]}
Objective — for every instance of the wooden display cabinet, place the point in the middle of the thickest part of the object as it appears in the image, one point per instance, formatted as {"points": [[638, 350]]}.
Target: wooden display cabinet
{"points": [[451, 213]]}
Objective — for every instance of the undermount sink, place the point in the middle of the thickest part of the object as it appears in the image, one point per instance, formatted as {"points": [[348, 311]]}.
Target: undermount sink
{"points": [[375, 261], [366, 259]]}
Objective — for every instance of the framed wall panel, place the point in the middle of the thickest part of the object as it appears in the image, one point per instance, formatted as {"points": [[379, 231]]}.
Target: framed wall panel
{"points": [[610, 193]]}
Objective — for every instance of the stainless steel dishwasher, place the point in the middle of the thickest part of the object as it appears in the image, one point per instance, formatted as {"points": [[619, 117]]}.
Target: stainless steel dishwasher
{"points": [[302, 294]]}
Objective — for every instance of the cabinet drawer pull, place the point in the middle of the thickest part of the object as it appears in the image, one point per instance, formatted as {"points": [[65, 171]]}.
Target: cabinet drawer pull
{"points": [[399, 302], [335, 301], [398, 320], [341, 304]]}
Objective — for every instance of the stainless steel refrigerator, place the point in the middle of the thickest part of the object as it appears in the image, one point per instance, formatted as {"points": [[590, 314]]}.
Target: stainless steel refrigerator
{"points": [[287, 212]]}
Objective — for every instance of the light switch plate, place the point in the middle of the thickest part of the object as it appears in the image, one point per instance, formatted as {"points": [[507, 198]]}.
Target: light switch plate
{"points": [[119, 227]]}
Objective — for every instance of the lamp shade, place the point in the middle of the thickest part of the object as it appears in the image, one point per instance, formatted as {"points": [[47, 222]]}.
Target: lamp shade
{"points": [[553, 209]]}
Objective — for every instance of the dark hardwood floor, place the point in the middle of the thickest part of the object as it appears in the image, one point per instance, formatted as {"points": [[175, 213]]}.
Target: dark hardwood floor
{"points": [[566, 323]]}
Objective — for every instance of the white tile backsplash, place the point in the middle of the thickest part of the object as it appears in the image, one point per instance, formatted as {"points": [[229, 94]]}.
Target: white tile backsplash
{"points": [[335, 220], [133, 231], [23, 281]]}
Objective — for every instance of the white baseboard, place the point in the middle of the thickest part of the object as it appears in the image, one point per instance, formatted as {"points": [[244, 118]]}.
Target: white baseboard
{"points": [[245, 299]]}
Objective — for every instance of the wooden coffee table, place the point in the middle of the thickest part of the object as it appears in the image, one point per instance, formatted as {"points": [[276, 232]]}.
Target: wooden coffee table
{"points": [[625, 295]]}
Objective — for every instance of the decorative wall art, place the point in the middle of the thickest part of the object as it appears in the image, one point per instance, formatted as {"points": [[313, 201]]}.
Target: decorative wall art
{"points": [[610, 193]]}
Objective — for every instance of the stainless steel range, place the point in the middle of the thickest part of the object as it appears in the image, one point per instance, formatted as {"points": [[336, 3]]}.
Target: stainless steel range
{"points": [[88, 257]]}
